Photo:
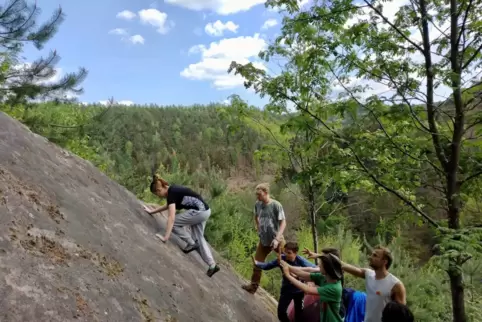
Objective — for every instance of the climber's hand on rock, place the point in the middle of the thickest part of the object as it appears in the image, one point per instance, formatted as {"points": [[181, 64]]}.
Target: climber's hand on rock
{"points": [[162, 238], [147, 209]]}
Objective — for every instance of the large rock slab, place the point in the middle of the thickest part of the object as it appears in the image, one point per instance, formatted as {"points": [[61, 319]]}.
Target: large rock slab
{"points": [[76, 246]]}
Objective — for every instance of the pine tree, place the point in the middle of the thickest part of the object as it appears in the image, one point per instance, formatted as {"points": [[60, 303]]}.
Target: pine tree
{"points": [[23, 82]]}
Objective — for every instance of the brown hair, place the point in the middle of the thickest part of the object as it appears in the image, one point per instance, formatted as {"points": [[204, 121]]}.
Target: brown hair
{"points": [[386, 255], [332, 266], [396, 312], [293, 246], [156, 180], [331, 250], [336, 252], [263, 187]]}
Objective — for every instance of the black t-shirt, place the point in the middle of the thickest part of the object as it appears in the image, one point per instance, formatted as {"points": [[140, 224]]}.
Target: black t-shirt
{"points": [[185, 198]]}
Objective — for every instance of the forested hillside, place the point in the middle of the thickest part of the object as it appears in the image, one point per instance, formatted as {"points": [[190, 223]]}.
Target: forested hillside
{"points": [[224, 151]]}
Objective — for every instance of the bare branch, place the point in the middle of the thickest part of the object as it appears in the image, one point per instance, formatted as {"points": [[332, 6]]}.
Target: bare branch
{"points": [[471, 177], [396, 193], [279, 144], [379, 13], [464, 23], [389, 137], [471, 59]]}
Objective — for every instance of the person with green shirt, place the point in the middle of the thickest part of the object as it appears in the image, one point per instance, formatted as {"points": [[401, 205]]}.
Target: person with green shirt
{"points": [[328, 282]]}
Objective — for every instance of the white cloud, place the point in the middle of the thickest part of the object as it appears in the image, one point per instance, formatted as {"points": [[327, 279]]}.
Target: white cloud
{"points": [[123, 102], [302, 4], [137, 39], [218, 28], [269, 24], [126, 14], [118, 31], [216, 58], [222, 7], [156, 19]]}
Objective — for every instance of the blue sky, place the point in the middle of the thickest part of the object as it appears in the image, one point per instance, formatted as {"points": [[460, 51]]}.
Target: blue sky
{"points": [[163, 52]]}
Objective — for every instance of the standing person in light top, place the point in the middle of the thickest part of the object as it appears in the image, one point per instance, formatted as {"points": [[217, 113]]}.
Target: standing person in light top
{"points": [[288, 292], [381, 286], [270, 223], [196, 214], [328, 285]]}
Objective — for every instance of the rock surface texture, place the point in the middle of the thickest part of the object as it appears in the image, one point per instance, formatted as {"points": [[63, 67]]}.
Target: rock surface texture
{"points": [[76, 246]]}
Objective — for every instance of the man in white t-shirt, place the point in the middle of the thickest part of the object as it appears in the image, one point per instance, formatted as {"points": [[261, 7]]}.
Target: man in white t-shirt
{"points": [[381, 286]]}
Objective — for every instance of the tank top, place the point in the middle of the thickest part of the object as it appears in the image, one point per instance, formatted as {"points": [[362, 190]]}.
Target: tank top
{"points": [[378, 294]]}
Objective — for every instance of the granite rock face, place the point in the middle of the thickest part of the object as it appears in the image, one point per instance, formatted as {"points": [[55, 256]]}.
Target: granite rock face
{"points": [[77, 246]]}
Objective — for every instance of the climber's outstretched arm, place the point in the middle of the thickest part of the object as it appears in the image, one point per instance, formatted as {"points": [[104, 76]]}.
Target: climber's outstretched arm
{"points": [[155, 210], [170, 220]]}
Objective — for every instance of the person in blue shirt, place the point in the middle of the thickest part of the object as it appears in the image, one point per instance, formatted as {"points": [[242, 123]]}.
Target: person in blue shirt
{"points": [[289, 292]]}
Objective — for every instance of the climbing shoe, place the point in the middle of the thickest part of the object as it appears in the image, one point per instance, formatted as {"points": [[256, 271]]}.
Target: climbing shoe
{"points": [[213, 270], [250, 288], [190, 248]]}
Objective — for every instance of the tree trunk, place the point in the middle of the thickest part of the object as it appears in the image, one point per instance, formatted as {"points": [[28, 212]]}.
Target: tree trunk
{"points": [[458, 295], [312, 212], [454, 272]]}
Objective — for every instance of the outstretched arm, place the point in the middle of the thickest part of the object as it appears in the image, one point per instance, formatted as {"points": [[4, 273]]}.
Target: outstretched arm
{"points": [[155, 210], [170, 220], [302, 286], [310, 269], [266, 266], [295, 270], [353, 270]]}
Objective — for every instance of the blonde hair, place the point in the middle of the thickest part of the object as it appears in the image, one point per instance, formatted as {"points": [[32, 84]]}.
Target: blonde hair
{"points": [[263, 187], [386, 255]]}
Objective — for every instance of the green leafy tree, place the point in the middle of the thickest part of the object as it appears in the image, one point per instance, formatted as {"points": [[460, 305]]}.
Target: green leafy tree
{"points": [[399, 94], [22, 82], [301, 159]]}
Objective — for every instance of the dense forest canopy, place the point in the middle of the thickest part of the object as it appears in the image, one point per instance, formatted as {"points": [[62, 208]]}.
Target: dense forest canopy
{"points": [[353, 167]]}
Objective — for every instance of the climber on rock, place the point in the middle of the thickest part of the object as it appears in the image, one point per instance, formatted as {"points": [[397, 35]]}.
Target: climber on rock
{"points": [[288, 291], [195, 216], [270, 223]]}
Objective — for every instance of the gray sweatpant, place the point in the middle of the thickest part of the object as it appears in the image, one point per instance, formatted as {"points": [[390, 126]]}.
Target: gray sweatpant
{"points": [[197, 221]]}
